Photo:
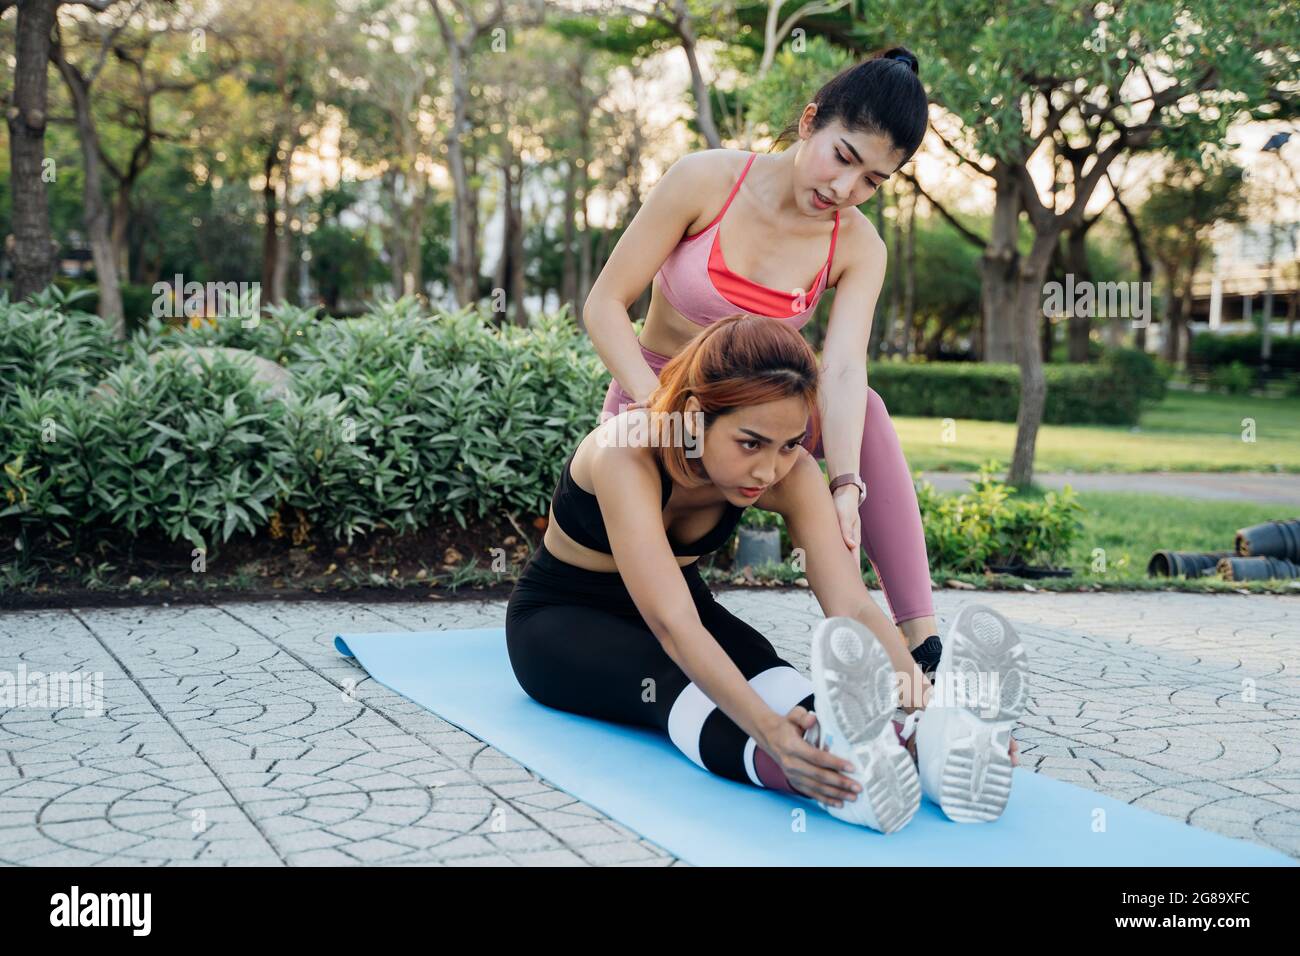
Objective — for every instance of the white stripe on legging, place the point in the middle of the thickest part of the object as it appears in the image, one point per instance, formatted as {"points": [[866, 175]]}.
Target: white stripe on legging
{"points": [[780, 687], [750, 747], [686, 720]]}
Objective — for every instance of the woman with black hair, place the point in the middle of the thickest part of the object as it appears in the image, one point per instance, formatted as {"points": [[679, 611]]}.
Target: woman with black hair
{"points": [[788, 216]]}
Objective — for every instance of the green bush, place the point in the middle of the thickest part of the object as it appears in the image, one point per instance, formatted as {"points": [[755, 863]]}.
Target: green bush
{"points": [[274, 336], [179, 446], [44, 478], [989, 526], [397, 419], [137, 298], [460, 419], [1076, 394], [1149, 375], [46, 343], [1233, 379]]}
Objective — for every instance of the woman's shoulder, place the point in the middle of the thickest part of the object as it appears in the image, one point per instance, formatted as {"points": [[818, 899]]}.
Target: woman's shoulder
{"points": [[709, 169], [859, 232], [619, 443], [858, 245]]}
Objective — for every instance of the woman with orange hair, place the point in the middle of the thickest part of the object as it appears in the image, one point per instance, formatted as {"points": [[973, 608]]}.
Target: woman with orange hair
{"points": [[612, 619]]}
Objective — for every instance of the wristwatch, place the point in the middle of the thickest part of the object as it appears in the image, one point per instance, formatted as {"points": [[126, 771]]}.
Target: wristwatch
{"points": [[850, 478]]}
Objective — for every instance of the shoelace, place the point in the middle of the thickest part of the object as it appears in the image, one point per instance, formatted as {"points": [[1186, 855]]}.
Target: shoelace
{"points": [[910, 722]]}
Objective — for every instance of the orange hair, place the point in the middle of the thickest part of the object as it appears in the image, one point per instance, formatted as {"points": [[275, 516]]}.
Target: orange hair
{"points": [[740, 360]]}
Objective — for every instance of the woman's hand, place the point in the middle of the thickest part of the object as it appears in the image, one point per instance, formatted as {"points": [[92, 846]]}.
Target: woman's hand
{"points": [[1015, 750], [813, 772], [846, 509]]}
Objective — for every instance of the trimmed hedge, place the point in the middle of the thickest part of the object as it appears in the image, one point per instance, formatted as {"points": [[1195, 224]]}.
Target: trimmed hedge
{"points": [[1108, 393], [1208, 349]]}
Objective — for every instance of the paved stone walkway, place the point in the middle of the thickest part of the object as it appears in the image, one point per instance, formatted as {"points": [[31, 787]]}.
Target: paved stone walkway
{"points": [[1280, 490], [236, 734]]}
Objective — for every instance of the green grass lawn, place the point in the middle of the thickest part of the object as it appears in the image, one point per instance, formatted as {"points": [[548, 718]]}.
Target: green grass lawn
{"points": [[1128, 528], [1186, 432]]}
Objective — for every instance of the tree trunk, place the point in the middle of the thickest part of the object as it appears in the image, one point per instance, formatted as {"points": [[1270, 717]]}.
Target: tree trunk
{"points": [[392, 231], [568, 261], [1173, 305], [898, 332], [121, 225], [475, 265], [283, 237], [95, 213], [908, 267], [1079, 326], [878, 331], [509, 276], [584, 236], [1185, 314], [1031, 275], [413, 281], [934, 343], [269, 245], [699, 88], [518, 265], [1145, 270], [464, 276], [998, 271], [1046, 337], [33, 246]]}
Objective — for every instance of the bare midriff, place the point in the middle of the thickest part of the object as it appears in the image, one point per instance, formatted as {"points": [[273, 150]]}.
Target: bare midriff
{"points": [[666, 330]]}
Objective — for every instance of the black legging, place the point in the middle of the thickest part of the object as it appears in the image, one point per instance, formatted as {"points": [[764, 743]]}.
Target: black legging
{"points": [[577, 643]]}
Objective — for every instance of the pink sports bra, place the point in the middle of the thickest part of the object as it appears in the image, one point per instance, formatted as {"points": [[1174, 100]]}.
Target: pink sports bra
{"points": [[697, 283]]}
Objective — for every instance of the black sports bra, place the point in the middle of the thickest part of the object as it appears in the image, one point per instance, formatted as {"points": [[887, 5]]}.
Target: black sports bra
{"points": [[578, 513]]}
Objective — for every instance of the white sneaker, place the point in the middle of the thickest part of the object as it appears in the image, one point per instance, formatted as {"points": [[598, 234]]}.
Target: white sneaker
{"points": [[854, 700], [963, 743]]}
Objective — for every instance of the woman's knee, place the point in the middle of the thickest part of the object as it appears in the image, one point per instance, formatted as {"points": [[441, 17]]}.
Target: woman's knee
{"points": [[876, 405]]}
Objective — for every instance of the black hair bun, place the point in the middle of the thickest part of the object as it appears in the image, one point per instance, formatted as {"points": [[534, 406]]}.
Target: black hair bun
{"points": [[903, 56]]}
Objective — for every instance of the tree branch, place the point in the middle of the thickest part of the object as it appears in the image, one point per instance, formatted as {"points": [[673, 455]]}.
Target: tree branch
{"points": [[1135, 233], [111, 36], [965, 233], [964, 159]]}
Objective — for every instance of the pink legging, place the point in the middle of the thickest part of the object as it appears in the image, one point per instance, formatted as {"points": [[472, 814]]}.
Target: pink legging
{"points": [[892, 534]]}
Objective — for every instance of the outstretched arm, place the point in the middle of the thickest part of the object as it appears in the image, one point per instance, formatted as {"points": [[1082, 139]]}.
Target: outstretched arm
{"points": [[833, 571], [658, 226], [843, 394], [627, 485]]}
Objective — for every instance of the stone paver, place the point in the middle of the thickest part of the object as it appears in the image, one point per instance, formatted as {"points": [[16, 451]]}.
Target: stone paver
{"points": [[236, 734]]}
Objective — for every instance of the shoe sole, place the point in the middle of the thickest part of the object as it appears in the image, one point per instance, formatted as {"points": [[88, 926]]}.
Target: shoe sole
{"points": [[853, 683], [976, 778]]}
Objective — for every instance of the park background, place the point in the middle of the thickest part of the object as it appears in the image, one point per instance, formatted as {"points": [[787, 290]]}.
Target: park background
{"points": [[424, 191]]}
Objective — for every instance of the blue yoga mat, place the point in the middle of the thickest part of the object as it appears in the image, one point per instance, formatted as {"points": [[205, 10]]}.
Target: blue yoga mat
{"points": [[637, 777]]}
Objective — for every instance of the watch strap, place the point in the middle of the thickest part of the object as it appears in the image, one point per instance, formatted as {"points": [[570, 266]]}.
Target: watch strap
{"points": [[848, 478]]}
